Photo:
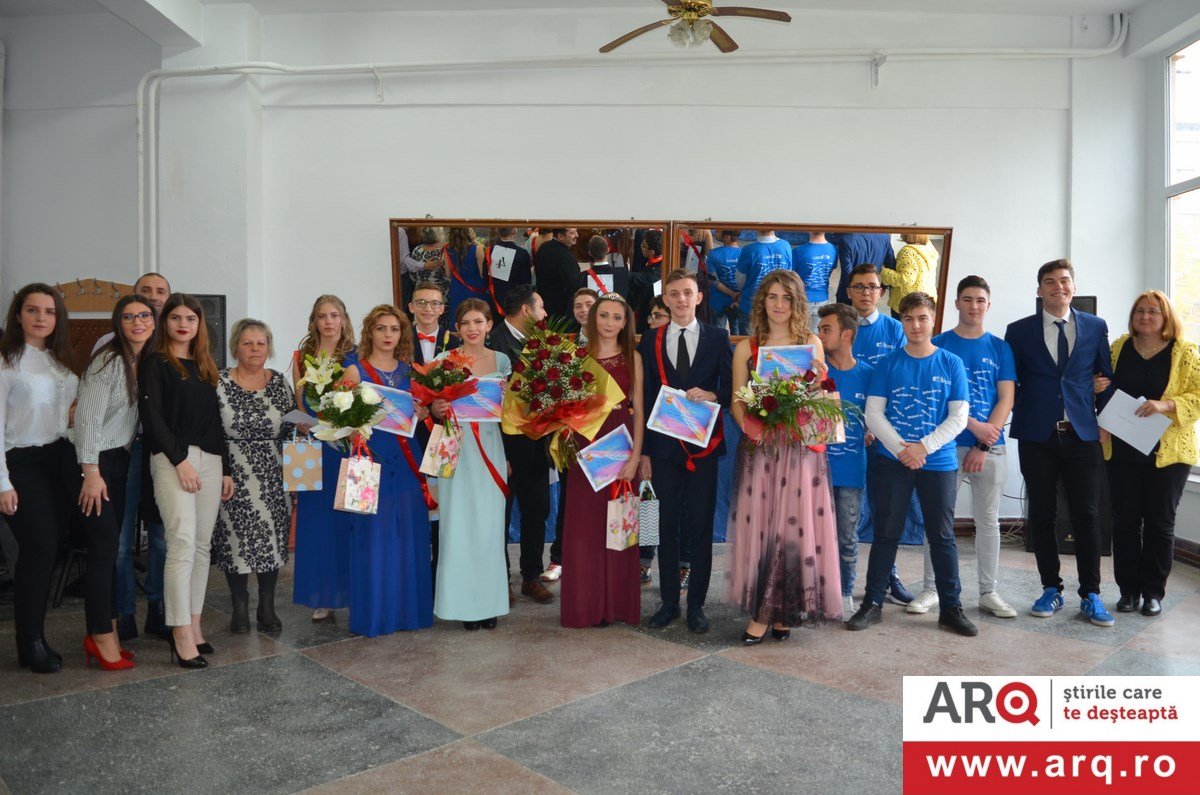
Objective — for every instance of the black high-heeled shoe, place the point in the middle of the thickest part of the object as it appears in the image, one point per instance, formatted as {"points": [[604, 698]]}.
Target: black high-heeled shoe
{"points": [[751, 640], [205, 648], [195, 662], [489, 623], [780, 634]]}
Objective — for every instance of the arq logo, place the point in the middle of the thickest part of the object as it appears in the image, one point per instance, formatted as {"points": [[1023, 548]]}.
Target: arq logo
{"points": [[1016, 702]]}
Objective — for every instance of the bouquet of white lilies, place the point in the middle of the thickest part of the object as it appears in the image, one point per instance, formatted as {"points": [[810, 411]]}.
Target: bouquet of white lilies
{"points": [[344, 410]]}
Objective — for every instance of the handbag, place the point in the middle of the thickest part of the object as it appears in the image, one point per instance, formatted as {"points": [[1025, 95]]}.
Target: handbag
{"points": [[648, 516], [358, 485], [302, 468], [621, 530], [442, 451]]}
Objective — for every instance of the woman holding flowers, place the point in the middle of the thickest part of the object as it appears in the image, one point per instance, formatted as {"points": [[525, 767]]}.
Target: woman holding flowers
{"points": [[472, 584], [390, 586], [784, 560], [604, 585], [321, 567]]}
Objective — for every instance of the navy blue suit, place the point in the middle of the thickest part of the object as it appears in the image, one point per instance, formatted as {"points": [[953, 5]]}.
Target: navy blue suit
{"points": [[686, 500], [1052, 449]]}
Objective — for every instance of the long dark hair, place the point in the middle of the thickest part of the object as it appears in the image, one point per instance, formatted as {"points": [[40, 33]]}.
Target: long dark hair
{"points": [[199, 350], [12, 344], [120, 348], [624, 337]]}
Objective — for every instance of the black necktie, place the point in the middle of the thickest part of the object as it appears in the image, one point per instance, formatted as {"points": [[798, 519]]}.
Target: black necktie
{"points": [[1063, 352], [683, 365]]}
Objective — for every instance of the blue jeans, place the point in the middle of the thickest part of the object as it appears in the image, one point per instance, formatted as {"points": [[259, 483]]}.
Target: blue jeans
{"points": [[846, 500], [156, 553], [893, 486]]}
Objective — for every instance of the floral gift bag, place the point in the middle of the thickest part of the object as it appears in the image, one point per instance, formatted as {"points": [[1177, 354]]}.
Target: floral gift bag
{"points": [[622, 527], [358, 485], [441, 454]]}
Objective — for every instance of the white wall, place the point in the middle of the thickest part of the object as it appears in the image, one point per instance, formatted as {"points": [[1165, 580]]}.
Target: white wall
{"points": [[275, 190]]}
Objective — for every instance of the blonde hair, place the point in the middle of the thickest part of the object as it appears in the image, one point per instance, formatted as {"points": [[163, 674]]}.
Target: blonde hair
{"points": [[798, 326], [404, 346], [312, 338], [914, 239], [1171, 325], [250, 324]]}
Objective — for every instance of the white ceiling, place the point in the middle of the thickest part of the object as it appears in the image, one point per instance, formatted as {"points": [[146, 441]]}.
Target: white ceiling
{"points": [[651, 7]]}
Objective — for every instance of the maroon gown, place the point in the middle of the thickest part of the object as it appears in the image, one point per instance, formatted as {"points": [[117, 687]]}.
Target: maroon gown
{"points": [[598, 584]]}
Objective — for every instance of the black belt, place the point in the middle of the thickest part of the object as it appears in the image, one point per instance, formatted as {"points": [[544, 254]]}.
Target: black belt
{"points": [[1064, 426]]}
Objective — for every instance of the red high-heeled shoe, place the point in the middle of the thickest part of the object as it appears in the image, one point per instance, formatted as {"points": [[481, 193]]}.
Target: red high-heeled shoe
{"points": [[91, 651]]}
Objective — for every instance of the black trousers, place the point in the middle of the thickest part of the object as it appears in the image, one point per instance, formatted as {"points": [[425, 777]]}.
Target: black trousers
{"points": [[687, 502], [1144, 499], [103, 534], [46, 480], [529, 486], [1079, 465]]}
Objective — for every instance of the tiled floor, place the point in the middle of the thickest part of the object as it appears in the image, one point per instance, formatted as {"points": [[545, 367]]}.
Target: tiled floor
{"points": [[535, 708]]}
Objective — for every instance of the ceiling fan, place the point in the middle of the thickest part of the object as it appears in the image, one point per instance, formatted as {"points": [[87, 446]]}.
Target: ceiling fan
{"points": [[691, 26]]}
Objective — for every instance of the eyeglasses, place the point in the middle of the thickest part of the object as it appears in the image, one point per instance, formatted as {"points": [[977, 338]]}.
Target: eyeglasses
{"points": [[1148, 311], [129, 317], [425, 304], [865, 288], [658, 316]]}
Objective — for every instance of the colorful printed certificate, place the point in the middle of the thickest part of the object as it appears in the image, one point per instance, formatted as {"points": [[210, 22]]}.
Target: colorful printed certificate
{"points": [[674, 415], [787, 360], [401, 418], [602, 460], [482, 405]]}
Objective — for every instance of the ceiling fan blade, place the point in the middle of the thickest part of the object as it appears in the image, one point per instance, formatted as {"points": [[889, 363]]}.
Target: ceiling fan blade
{"points": [[723, 40], [671, 2], [757, 13], [633, 34]]}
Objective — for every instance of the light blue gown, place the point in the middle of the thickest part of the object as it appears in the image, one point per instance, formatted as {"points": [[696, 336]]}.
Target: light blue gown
{"points": [[472, 579]]}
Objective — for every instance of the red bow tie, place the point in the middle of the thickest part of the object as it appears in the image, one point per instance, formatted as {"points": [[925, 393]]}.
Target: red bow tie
{"points": [[427, 338]]}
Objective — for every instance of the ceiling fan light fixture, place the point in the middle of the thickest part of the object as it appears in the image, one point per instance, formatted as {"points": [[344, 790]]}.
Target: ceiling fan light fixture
{"points": [[689, 33]]}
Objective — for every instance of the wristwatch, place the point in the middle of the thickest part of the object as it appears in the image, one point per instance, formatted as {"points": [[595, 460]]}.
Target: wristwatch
{"points": [[983, 446]]}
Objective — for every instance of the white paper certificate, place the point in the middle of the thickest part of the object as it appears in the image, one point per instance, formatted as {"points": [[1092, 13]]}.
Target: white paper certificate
{"points": [[502, 262], [1140, 433]]}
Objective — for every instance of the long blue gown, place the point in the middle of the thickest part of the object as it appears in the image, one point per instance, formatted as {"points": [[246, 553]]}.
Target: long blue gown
{"points": [[468, 268], [322, 563], [390, 575]]}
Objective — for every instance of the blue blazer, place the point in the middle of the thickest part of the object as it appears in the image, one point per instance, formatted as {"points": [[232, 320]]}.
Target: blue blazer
{"points": [[1041, 393], [712, 370]]}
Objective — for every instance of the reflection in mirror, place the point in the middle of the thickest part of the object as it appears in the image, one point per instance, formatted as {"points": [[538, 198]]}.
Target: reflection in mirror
{"points": [[733, 260]]}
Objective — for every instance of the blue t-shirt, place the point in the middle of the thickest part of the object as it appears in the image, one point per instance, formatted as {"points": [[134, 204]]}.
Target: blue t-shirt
{"points": [[756, 261], [879, 339], [813, 262], [988, 360], [918, 393], [848, 461], [722, 264]]}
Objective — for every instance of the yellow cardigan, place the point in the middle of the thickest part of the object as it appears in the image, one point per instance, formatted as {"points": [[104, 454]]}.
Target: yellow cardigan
{"points": [[916, 270], [1178, 444]]}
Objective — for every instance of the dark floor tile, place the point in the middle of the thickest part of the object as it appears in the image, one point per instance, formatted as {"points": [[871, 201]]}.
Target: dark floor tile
{"points": [[1130, 662], [273, 725], [674, 732]]}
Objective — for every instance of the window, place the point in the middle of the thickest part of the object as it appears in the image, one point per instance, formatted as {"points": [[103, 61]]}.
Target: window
{"points": [[1183, 185]]}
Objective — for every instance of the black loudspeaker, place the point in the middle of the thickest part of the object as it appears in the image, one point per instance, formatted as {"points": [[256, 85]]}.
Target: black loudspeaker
{"points": [[214, 318], [1062, 521]]}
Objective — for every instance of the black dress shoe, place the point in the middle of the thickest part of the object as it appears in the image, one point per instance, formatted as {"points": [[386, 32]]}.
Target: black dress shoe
{"points": [[205, 648], [751, 640], [471, 625], [1127, 604], [156, 621], [868, 613], [489, 623], [1151, 607], [954, 620], [697, 622], [41, 658], [780, 634], [127, 627], [665, 615]]}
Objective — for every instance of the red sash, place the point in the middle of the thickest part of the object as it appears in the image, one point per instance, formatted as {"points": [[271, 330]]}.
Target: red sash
{"points": [[718, 432], [600, 288], [491, 284], [430, 502], [453, 271], [700, 264]]}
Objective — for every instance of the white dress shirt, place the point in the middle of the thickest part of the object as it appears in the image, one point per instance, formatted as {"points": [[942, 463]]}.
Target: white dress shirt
{"points": [[691, 338], [35, 402], [428, 349], [1050, 330], [869, 320], [520, 336]]}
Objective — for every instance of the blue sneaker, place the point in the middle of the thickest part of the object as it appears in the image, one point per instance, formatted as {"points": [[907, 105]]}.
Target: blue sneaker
{"points": [[1049, 603], [896, 593], [1095, 611]]}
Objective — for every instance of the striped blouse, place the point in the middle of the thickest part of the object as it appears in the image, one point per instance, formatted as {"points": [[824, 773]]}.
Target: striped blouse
{"points": [[105, 418]]}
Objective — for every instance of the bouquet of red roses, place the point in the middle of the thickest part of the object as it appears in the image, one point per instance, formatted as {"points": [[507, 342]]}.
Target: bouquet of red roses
{"points": [[448, 378], [797, 409], [556, 388]]}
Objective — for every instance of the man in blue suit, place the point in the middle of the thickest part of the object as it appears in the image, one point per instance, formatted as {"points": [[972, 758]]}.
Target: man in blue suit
{"points": [[696, 358], [1057, 353]]}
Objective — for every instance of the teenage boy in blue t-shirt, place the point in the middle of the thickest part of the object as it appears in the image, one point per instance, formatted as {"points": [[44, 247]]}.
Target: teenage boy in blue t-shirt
{"points": [[722, 264], [982, 463], [836, 327], [813, 262], [917, 404], [768, 253]]}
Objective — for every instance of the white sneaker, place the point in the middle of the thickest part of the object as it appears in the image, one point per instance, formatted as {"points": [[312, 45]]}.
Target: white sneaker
{"points": [[994, 604], [552, 573], [848, 608], [924, 601]]}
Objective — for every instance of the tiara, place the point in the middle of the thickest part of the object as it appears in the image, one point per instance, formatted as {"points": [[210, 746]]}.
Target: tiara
{"points": [[613, 297]]}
